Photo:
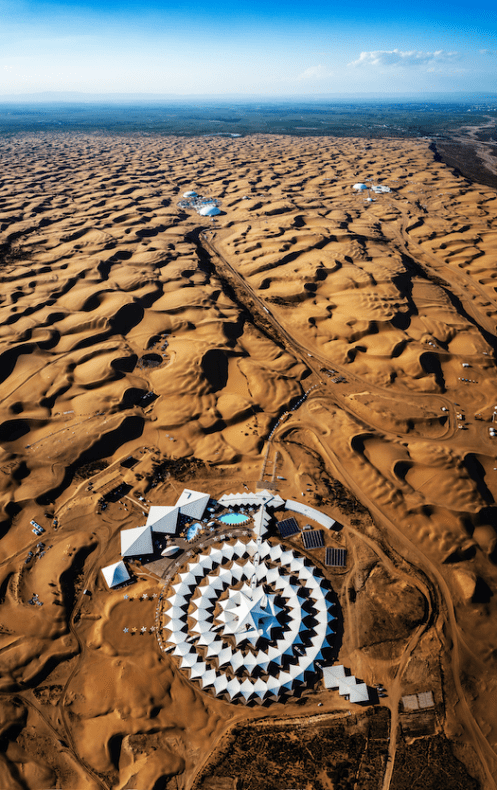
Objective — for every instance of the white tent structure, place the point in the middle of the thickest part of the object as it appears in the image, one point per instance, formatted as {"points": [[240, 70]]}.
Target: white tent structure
{"points": [[136, 542], [169, 551], [192, 503], [190, 194], [244, 606], [347, 685], [116, 574], [163, 519], [209, 210], [360, 187]]}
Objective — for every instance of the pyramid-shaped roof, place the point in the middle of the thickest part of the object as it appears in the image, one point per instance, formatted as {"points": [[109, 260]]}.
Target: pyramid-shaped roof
{"points": [[115, 574], [163, 518], [136, 541], [192, 503]]}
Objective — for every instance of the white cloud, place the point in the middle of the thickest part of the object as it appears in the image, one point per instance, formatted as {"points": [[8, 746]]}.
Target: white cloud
{"points": [[395, 57], [487, 51], [313, 73]]}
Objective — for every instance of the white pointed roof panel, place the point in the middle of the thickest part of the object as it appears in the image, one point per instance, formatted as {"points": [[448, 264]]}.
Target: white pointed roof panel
{"points": [[208, 678], [233, 687], [220, 684], [115, 574], [163, 519], [136, 541], [192, 503], [225, 656], [198, 669]]}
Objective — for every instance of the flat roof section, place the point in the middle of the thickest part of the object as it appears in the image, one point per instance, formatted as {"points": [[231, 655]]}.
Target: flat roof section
{"points": [[425, 699], [288, 527], [313, 539], [410, 702], [310, 512]]}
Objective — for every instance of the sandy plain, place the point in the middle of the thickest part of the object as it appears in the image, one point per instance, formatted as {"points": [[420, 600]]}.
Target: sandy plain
{"points": [[387, 309]]}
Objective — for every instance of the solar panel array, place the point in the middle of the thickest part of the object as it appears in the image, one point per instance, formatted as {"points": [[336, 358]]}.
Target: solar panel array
{"points": [[313, 539], [335, 558], [288, 527]]}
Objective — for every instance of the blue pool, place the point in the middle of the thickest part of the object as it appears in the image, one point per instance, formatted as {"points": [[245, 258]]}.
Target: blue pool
{"points": [[234, 518], [193, 531]]}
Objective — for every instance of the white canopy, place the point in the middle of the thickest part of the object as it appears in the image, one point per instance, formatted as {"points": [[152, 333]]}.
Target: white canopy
{"points": [[163, 518], [115, 574], [136, 541], [209, 210], [192, 503]]}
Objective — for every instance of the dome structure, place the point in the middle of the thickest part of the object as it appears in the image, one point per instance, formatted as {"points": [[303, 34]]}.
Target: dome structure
{"points": [[360, 187], [190, 194], [209, 210]]}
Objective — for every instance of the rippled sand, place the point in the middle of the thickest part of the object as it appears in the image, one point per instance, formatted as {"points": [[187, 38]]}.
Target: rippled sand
{"points": [[110, 291]]}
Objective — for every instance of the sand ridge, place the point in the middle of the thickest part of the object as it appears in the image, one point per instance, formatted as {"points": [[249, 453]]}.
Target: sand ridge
{"points": [[130, 326]]}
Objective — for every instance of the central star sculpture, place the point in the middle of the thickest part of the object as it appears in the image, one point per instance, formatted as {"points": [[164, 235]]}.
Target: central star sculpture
{"points": [[249, 614]]}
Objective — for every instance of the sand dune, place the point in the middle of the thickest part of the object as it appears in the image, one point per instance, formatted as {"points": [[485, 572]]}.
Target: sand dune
{"points": [[131, 327]]}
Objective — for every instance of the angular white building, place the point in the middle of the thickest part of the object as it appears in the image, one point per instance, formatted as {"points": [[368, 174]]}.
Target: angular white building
{"points": [[136, 542], [192, 503], [163, 519], [115, 574], [335, 678]]}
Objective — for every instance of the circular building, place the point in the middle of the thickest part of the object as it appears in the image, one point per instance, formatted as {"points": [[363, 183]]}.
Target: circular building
{"points": [[208, 210], [248, 620]]}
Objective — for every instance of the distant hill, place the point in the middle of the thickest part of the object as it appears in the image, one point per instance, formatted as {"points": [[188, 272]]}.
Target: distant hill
{"points": [[77, 97]]}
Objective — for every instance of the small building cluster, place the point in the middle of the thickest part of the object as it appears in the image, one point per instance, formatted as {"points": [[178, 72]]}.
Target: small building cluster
{"points": [[246, 617], [162, 520], [205, 206]]}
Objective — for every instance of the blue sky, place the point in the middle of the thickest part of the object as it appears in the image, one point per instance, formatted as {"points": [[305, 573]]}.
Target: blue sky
{"points": [[274, 48]]}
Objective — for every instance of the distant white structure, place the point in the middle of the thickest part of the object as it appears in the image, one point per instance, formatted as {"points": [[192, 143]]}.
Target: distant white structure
{"points": [[310, 512], [210, 210], [115, 574], [380, 188], [163, 519], [335, 678], [360, 187], [205, 206], [136, 542]]}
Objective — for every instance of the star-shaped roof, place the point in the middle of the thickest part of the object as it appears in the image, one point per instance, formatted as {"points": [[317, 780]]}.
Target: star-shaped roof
{"points": [[249, 614]]}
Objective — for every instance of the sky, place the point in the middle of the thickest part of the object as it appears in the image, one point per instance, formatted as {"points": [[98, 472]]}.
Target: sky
{"points": [[262, 47]]}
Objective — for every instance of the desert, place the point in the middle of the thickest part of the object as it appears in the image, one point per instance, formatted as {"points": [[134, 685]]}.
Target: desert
{"points": [[329, 346]]}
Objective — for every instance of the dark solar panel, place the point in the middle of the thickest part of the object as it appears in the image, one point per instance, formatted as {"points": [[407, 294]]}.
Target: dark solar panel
{"points": [[335, 558], [288, 527], [313, 539]]}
